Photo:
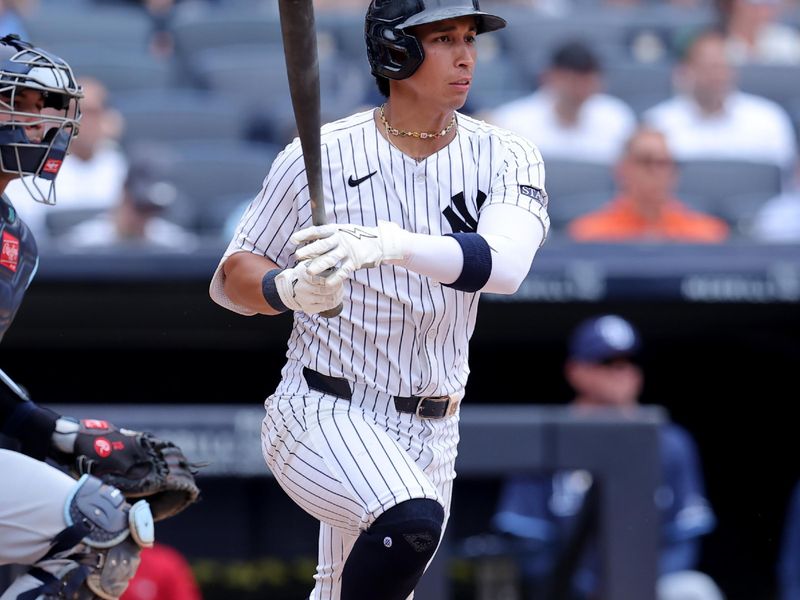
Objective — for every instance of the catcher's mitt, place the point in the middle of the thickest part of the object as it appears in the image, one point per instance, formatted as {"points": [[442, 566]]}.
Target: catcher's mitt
{"points": [[139, 464]]}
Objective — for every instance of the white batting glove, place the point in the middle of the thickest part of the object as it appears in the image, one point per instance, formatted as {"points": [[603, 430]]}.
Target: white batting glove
{"points": [[312, 294], [348, 248]]}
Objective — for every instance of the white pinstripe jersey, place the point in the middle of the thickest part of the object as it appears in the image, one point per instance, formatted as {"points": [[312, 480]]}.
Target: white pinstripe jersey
{"points": [[400, 332]]}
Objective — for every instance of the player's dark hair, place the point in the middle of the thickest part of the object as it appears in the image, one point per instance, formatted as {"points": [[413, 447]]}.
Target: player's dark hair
{"points": [[383, 85], [575, 56], [686, 46]]}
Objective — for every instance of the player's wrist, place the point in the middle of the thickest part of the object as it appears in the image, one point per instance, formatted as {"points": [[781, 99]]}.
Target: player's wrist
{"points": [[271, 290], [396, 243]]}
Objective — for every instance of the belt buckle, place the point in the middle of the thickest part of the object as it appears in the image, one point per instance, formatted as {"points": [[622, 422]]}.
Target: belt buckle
{"points": [[434, 398]]}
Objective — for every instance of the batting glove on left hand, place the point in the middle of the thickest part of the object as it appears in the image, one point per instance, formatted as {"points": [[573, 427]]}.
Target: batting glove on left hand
{"points": [[348, 248], [299, 289]]}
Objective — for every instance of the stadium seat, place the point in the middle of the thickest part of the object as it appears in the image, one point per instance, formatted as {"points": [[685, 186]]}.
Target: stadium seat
{"points": [[219, 219], [198, 30], [255, 76], [108, 28], [58, 222], [670, 24], [740, 210], [565, 178], [204, 173], [179, 116], [497, 78], [729, 187], [120, 69], [779, 83], [531, 38], [346, 30], [640, 85]]}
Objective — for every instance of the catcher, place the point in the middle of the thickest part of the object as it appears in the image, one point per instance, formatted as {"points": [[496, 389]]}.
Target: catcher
{"points": [[81, 538]]}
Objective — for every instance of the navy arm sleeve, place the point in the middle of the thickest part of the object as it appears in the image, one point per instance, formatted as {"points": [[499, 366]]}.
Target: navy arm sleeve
{"points": [[21, 419]]}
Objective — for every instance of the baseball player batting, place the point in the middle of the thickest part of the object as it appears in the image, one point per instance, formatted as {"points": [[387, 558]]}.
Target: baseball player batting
{"points": [[426, 208], [80, 536]]}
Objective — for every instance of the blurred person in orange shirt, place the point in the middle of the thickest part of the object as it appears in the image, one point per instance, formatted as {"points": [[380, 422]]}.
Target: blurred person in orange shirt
{"points": [[164, 574], [645, 207]]}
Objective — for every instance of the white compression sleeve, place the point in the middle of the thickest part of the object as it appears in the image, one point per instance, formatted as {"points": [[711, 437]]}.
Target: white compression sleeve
{"points": [[512, 233]]}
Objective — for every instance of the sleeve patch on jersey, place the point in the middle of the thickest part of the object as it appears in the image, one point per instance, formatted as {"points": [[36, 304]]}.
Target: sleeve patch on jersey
{"points": [[539, 195], [9, 256]]}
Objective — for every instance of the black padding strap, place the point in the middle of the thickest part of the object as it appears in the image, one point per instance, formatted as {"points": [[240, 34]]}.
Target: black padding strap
{"points": [[477, 262]]}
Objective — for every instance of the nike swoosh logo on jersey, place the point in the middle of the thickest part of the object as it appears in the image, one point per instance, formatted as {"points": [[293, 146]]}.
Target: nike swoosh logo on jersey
{"points": [[356, 182]]}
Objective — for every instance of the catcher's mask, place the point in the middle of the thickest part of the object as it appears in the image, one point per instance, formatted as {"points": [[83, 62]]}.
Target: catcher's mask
{"points": [[397, 54], [23, 66]]}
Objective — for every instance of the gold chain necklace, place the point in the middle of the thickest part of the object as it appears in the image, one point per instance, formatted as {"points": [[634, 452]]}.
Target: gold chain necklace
{"points": [[424, 135]]}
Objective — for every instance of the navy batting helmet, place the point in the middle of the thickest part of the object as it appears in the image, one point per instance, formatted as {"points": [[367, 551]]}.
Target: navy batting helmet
{"points": [[396, 54], [23, 66]]}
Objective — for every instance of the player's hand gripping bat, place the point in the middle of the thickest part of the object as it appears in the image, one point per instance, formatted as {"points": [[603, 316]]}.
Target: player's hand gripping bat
{"points": [[302, 67]]}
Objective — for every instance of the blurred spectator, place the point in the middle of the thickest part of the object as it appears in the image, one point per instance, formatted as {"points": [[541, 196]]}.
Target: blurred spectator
{"points": [[755, 34], [568, 117], [778, 220], [164, 574], [12, 15], [161, 13], [136, 220], [789, 557], [646, 208], [603, 368], [710, 119], [93, 172]]}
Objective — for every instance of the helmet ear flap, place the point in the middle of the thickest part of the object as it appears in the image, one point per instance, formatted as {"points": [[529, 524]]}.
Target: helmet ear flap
{"points": [[392, 53]]}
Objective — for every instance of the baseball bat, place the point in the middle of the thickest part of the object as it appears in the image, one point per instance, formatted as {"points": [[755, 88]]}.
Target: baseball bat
{"points": [[302, 67]]}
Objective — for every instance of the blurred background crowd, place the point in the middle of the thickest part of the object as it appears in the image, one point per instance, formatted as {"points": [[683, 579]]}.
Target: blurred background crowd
{"points": [[659, 122], [664, 121]]}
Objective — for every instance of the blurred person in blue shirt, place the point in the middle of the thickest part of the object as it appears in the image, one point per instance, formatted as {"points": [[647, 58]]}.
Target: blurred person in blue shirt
{"points": [[544, 510], [789, 559], [12, 13], [778, 219]]}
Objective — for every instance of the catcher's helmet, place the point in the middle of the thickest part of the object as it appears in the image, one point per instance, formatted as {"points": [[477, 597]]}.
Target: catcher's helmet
{"points": [[23, 66], [396, 54]]}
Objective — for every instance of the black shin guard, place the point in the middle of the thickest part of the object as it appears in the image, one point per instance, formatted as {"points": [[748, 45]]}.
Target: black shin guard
{"points": [[388, 559]]}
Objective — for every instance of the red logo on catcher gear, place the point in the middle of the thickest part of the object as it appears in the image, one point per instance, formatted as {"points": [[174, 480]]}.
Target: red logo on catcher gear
{"points": [[51, 165], [95, 424], [9, 257], [103, 447]]}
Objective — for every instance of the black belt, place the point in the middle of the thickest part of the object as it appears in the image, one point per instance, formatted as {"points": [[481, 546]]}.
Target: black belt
{"points": [[426, 407]]}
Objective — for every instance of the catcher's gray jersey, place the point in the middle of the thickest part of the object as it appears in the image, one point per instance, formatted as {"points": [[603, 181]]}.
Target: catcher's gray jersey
{"points": [[399, 334]]}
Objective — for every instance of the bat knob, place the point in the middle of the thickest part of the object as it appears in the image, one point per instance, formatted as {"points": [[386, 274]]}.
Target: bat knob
{"points": [[333, 312]]}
